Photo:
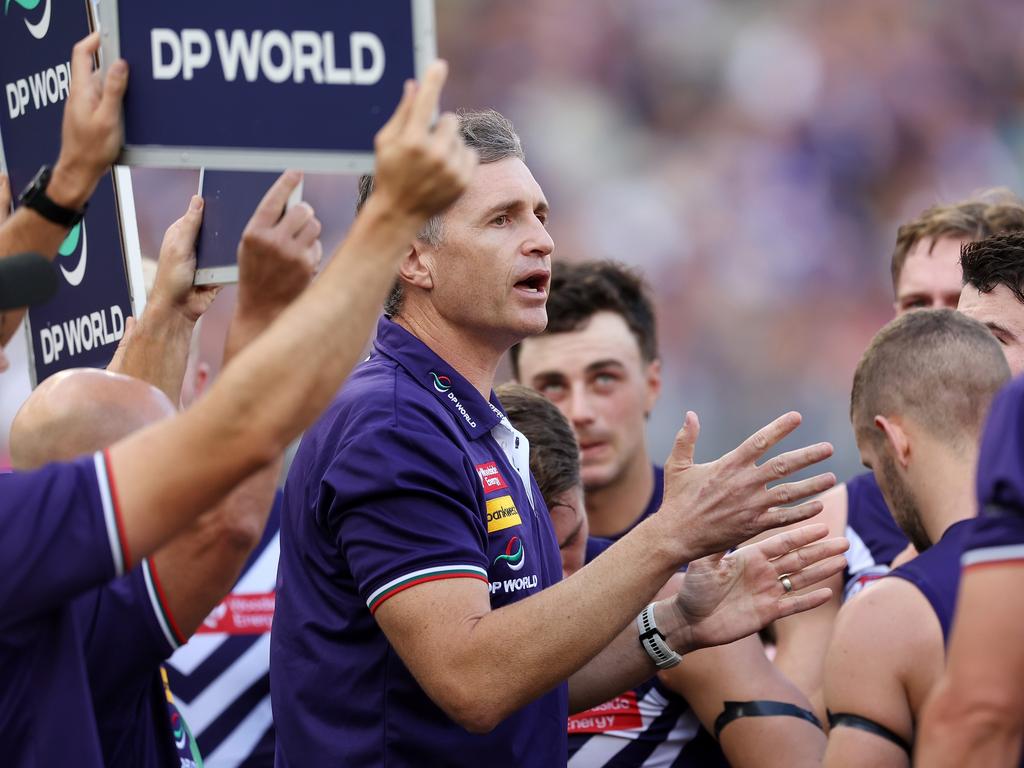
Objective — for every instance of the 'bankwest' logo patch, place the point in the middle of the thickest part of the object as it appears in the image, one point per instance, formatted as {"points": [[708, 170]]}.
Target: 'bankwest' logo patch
{"points": [[502, 514], [619, 714], [491, 477]]}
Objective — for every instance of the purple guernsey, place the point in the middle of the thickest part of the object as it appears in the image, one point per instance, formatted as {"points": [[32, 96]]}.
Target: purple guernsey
{"points": [[410, 476], [60, 535], [998, 536], [936, 572], [875, 538]]}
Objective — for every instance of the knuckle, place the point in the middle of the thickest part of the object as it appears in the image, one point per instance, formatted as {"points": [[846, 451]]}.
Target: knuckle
{"points": [[782, 494], [779, 468], [759, 441]]}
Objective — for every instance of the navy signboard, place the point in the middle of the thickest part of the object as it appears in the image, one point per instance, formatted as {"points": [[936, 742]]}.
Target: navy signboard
{"points": [[83, 323], [229, 198], [262, 84]]}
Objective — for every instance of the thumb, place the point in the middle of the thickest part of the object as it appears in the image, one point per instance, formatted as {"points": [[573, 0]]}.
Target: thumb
{"points": [[686, 441]]}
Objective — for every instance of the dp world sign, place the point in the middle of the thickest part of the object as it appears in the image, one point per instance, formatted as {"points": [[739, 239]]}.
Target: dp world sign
{"points": [[263, 84], [82, 324]]}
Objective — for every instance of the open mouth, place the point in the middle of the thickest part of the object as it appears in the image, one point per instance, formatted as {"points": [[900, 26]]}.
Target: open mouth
{"points": [[535, 282]]}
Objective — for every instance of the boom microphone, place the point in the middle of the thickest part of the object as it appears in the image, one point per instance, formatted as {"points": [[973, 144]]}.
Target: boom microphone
{"points": [[26, 279]]}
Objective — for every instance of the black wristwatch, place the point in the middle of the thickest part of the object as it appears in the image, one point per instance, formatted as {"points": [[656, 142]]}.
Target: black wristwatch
{"points": [[35, 197]]}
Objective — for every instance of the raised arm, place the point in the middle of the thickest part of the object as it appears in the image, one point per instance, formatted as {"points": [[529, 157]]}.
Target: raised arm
{"points": [[91, 137], [278, 255], [279, 384], [156, 349]]}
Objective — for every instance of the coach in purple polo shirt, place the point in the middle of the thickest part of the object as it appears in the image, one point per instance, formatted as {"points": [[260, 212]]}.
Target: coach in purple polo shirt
{"points": [[420, 619]]}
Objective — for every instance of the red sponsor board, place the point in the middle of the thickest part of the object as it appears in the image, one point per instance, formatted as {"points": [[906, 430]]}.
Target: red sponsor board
{"points": [[618, 714], [250, 614], [491, 477]]}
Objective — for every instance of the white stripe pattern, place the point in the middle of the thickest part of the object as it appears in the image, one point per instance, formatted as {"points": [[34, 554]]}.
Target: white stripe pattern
{"points": [[158, 611], [260, 577], [222, 692], [421, 573], [993, 554], [243, 740], [109, 515]]}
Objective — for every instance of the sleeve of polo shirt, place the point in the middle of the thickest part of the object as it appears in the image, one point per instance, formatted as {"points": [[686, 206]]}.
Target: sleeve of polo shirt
{"points": [[406, 511], [60, 535], [127, 632]]}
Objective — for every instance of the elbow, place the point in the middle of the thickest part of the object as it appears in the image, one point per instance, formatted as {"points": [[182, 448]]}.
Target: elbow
{"points": [[241, 535], [475, 713]]}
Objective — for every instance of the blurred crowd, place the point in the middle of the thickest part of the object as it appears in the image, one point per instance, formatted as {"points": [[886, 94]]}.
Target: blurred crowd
{"points": [[752, 158]]}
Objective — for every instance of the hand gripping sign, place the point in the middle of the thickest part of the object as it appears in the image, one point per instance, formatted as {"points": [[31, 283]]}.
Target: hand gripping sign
{"points": [[84, 321], [263, 85]]}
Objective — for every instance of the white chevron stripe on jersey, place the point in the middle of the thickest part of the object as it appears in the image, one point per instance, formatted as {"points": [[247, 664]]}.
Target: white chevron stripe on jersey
{"points": [[243, 740], [222, 692], [858, 556], [601, 748], [261, 577]]}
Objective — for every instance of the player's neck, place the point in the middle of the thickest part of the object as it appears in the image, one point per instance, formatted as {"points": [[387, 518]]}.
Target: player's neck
{"points": [[948, 496], [476, 361], [615, 507]]}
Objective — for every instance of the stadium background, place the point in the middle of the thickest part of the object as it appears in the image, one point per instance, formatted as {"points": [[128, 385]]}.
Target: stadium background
{"points": [[752, 158]]}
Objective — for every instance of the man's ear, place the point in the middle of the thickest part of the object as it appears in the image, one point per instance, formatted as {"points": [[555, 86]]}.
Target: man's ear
{"points": [[897, 441], [653, 377], [416, 267]]}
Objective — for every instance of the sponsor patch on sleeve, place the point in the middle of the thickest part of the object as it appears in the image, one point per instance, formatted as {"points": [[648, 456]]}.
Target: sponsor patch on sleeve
{"points": [[491, 477], [502, 514]]}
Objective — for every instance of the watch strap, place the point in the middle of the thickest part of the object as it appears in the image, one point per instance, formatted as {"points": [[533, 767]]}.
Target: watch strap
{"points": [[35, 197], [653, 641]]}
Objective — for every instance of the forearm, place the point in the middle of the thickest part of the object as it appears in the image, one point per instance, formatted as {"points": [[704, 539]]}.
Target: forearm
{"points": [[199, 567], [621, 665], [265, 397], [549, 637], [157, 350]]}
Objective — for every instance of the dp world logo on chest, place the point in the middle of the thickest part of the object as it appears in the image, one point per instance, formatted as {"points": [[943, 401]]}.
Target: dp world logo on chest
{"points": [[41, 26], [77, 236], [441, 383]]}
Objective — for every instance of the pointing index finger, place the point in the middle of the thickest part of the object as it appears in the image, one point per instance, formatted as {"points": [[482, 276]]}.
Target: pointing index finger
{"points": [[428, 96]]}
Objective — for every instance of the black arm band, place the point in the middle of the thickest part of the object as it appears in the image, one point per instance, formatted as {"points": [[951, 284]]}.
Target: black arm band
{"points": [[856, 721], [764, 708]]}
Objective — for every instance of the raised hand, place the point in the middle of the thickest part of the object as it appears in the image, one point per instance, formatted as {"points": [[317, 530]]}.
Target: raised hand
{"points": [[713, 507], [91, 132], [176, 267], [279, 252], [726, 597], [420, 170]]}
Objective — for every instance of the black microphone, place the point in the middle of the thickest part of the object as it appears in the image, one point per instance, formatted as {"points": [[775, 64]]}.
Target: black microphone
{"points": [[26, 279]]}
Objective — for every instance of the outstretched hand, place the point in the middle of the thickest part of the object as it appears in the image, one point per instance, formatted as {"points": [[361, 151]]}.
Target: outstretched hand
{"points": [[713, 507], [726, 597]]}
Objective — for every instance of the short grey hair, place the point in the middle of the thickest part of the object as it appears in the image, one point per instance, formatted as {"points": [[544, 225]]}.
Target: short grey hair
{"points": [[936, 366], [494, 138]]}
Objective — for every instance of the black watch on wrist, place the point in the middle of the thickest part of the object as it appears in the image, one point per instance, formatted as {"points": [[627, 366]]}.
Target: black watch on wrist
{"points": [[35, 197]]}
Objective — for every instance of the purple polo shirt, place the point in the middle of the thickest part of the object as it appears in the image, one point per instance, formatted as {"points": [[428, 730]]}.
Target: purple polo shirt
{"points": [[402, 481], [998, 535], [60, 535], [127, 632]]}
